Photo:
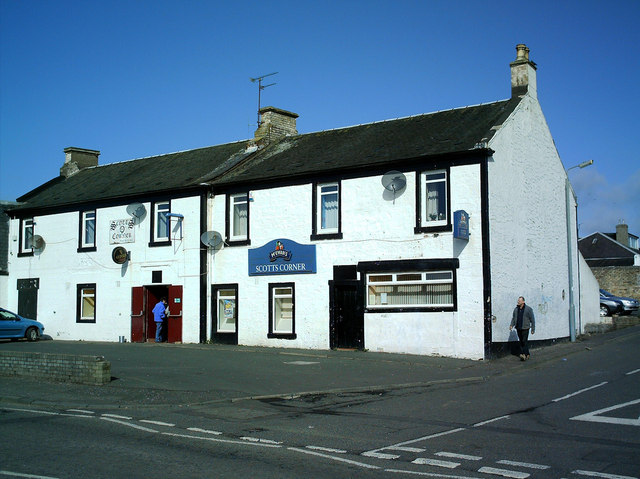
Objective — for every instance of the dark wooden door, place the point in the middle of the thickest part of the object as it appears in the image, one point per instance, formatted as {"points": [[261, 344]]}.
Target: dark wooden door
{"points": [[137, 315], [347, 315], [28, 297], [174, 321]]}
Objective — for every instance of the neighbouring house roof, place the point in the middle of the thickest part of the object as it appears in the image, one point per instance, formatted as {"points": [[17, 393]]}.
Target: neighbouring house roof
{"points": [[599, 249], [368, 145]]}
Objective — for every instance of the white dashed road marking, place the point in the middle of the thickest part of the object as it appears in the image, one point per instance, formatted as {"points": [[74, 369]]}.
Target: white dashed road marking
{"points": [[523, 464], [453, 455], [327, 449], [18, 474], [128, 424], [339, 459], [205, 431], [157, 423], [601, 474], [504, 472], [579, 392], [435, 462]]}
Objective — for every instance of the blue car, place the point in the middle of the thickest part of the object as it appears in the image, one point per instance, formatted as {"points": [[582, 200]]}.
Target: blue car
{"points": [[14, 326]]}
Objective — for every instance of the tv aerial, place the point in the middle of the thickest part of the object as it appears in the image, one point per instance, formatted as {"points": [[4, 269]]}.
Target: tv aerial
{"points": [[394, 181], [211, 239], [260, 88], [136, 210]]}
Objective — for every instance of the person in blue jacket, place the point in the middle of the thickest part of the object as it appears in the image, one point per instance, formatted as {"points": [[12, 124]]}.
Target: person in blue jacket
{"points": [[160, 312], [523, 319]]}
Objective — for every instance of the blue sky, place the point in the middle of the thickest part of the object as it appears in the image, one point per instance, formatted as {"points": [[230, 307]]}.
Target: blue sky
{"points": [[141, 78]]}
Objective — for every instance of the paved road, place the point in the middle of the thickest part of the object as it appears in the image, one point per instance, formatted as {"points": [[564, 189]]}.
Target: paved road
{"points": [[572, 411]]}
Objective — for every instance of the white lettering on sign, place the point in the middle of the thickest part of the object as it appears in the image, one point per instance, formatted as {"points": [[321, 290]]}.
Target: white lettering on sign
{"points": [[121, 231], [280, 268]]}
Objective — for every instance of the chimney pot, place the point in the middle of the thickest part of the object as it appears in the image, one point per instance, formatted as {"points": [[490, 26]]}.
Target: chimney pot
{"points": [[523, 74]]}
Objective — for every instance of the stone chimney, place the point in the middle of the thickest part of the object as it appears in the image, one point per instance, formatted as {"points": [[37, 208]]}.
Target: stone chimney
{"points": [[523, 74], [76, 159], [276, 123], [622, 234]]}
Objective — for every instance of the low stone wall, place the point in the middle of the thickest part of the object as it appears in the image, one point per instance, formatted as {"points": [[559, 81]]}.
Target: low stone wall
{"points": [[93, 370]]}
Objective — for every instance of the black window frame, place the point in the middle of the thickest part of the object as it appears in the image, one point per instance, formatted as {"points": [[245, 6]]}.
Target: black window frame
{"points": [[21, 251], [80, 288], [419, 228], [215, 288], [271, 334], [227, 219], [81, 247], [315, 205], [152, 240]]}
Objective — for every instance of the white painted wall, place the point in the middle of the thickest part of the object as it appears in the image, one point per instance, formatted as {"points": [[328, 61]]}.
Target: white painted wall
{"points": [[528, 232], [374, 227], [60, 268], [589, 298]]}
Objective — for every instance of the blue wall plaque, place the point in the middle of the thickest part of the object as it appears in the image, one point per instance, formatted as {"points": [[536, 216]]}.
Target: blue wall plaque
{"points": [[282, 256], [461, 224]]}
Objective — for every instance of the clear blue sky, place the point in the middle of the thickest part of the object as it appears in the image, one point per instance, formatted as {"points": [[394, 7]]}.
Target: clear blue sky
{"points": [[141, 78]]}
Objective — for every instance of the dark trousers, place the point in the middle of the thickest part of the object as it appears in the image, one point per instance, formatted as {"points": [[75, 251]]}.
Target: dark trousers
{"points": [[523, 337]]}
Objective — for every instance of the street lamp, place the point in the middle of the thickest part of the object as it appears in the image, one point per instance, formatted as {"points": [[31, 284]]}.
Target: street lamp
{"points": [[572, 307]]}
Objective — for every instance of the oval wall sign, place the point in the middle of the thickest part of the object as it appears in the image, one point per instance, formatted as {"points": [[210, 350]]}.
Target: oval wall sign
{"points": [[119, 255]]}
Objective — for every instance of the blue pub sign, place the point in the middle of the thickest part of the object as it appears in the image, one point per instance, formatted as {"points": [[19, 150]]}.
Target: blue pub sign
{"points": [[461, 225], [282, 256]]}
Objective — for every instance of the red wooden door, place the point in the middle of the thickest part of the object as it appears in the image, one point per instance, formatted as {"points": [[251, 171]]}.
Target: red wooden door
{"points": [[174, 326], [137, 314]]}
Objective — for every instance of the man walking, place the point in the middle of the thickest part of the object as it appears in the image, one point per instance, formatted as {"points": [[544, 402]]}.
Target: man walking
{"points": [[523, 319], [160, 316]]}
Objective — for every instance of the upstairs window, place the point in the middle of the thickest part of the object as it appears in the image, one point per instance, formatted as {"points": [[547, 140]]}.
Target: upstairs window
{"points": [[161, 224], [238, 218], [26, 236], [433, 201], [87, 230], [326, 211]]}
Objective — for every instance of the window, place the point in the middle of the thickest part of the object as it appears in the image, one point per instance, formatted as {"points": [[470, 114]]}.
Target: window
{"points": [[238, 218], [26, 236], [326, 211], [282, 311], [410, 290], [226, 300], [433, 200], [87, 230], [161, 224], [86, 303]]}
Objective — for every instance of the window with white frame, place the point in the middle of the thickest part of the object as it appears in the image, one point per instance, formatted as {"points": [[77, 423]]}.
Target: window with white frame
{"points": [[86, 303], [431, 289], [238, 217], [162, 223], [434, 210], [88, 229], [26, 235], [327, 201], [282, 310], [227, 310]]}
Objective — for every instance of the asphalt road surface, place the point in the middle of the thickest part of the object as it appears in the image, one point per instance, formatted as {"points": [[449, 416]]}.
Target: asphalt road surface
{"points": [[573, 416]]}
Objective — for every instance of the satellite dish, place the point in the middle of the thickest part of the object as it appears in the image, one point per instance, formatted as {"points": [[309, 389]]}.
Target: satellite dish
{"points": [[211, 239], [38, 242], [137, 210], [394, 181]]}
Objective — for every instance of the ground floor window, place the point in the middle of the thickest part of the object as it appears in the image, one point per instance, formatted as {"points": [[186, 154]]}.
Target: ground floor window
{"points": [[282, 310], [393, 290], [86, 303], [227, 306]]}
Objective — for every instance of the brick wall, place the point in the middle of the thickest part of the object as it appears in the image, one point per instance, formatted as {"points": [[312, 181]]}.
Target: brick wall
{"points": [[93, 370], [619, 280]]}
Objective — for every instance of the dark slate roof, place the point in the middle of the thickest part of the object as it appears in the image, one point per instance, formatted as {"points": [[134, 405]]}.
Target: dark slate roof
{"points": [[357, 147], [373, 144], [145, 176], [599, 249]]}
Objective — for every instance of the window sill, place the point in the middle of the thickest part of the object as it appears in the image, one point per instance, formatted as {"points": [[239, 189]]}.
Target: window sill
{"points": [[326, 236], [153, 244], [87, 249], [433, 229], [246, 242], [282, 336], [25, 253], [85, 321]]}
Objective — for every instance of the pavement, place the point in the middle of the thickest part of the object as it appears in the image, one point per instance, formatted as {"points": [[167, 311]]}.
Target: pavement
{"points": [[183, 375]]}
